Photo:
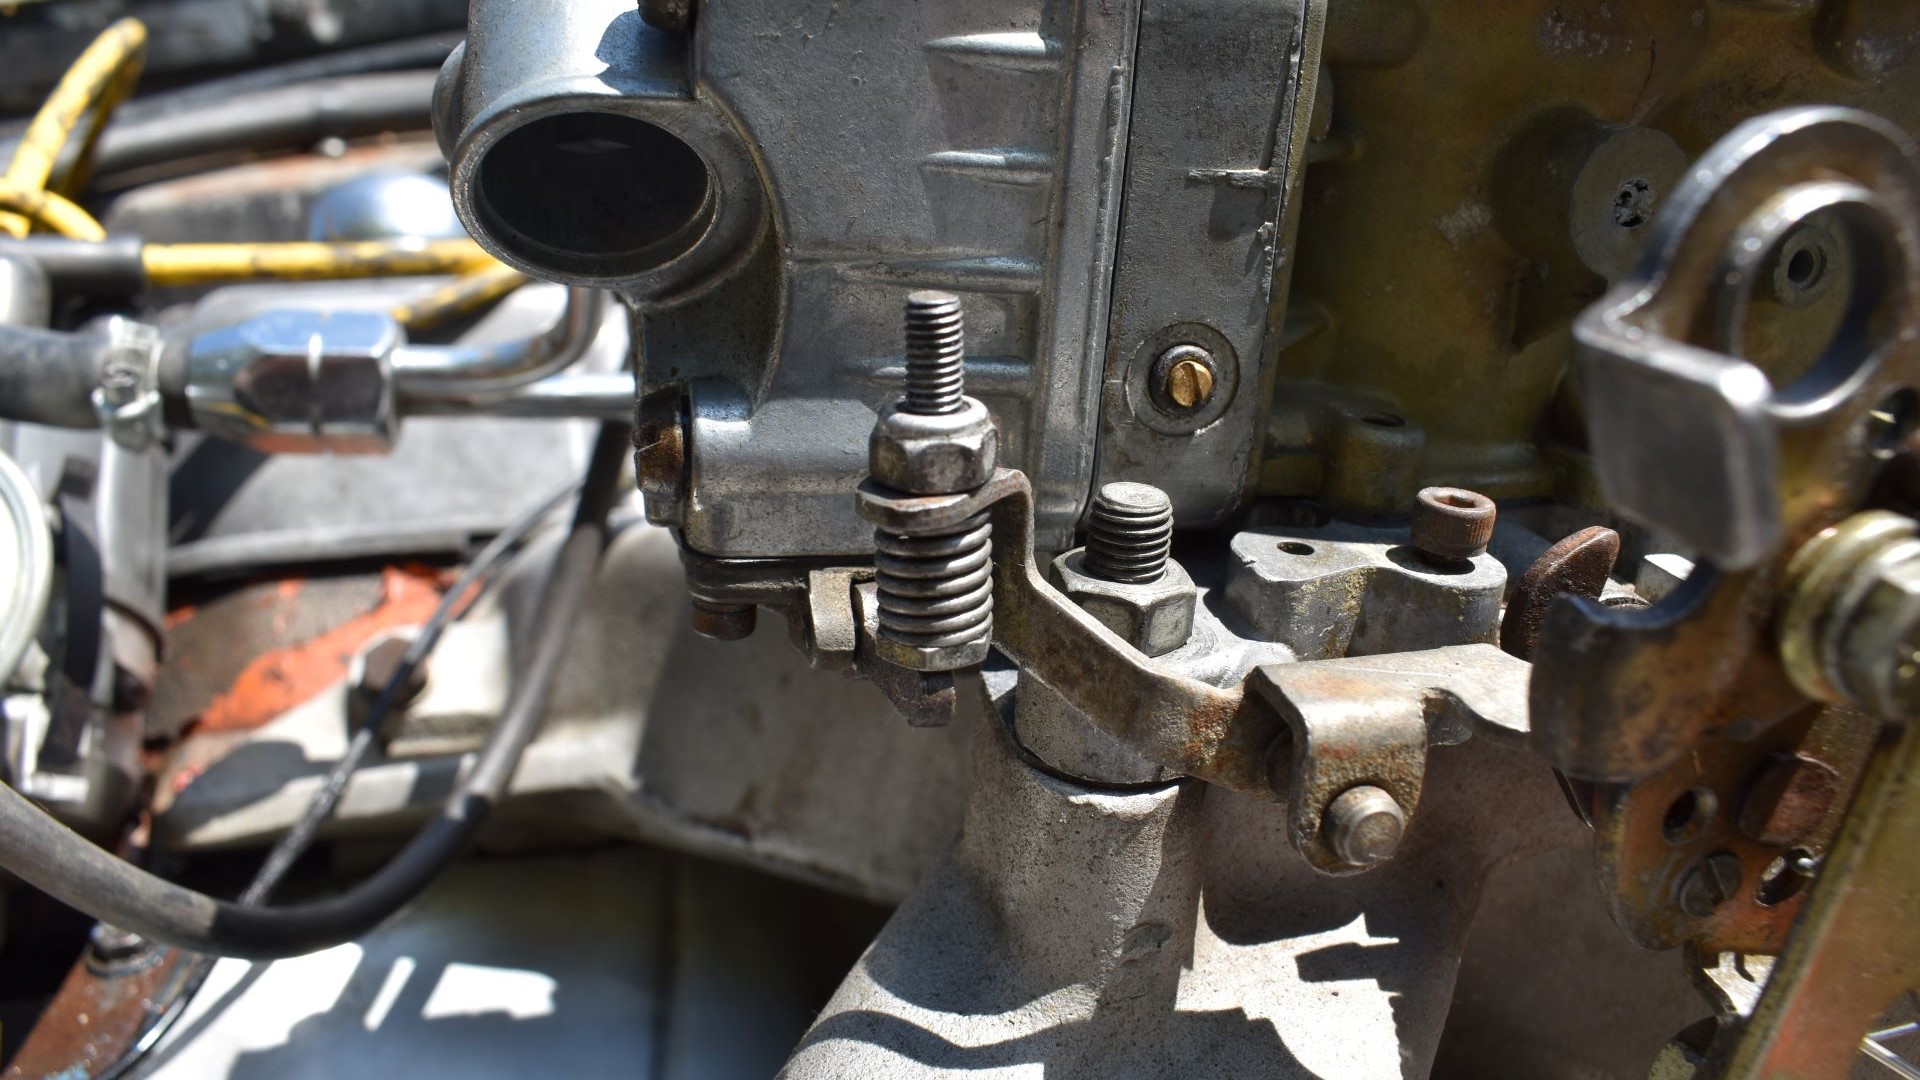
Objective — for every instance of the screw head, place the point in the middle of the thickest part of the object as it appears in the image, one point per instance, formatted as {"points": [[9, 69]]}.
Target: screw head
{"points": [[1710, 882], [1364, 825], [1183, 379]]}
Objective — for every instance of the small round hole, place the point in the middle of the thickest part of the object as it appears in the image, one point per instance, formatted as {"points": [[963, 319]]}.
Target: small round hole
{"points": [[1687, 814], [1633, 204], [1803, 268], [1892, 421], [1783, 879], [1295, 547], [1383, 419]]}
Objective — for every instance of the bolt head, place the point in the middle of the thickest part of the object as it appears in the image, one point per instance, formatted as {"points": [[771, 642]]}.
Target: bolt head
{"points": [[1155, 616], [1453, 524], [1364, 825], [936, 454]]}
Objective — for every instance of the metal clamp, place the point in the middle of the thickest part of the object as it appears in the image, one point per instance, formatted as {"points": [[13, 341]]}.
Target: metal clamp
{"points": [[127, 398]]}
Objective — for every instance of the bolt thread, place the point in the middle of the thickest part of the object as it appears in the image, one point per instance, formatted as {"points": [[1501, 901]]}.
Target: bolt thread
{"points": [[936, 354], [936, 590], [1129, 533]]}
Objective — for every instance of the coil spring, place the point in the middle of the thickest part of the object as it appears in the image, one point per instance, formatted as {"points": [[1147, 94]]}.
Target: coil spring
{"points": [[936, 590]]}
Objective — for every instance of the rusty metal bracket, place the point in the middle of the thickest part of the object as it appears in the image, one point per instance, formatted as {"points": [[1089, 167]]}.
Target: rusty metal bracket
{"points": [[1857, 945], [1696, 443], [1369, 720], [1306, 733]]}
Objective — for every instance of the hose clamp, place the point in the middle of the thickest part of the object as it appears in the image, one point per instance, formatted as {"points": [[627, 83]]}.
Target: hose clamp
{"points": [[127, 398]]}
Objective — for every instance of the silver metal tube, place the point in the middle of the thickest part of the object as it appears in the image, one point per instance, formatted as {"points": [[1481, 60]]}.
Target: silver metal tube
{"points": [[463, 373], [598, 396]]}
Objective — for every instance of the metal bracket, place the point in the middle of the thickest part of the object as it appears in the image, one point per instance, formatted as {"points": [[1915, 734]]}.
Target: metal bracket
{"points": [[1370, 719], [1696, 443], [1283, 740]]}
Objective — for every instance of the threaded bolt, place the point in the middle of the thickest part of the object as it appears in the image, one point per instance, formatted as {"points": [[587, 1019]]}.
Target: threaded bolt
{"points": [[936, 354], [1129, 534]]}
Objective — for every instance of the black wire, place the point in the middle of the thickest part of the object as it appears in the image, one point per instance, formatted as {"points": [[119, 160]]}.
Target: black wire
{"points": [[480, 571], [67, 866], [476, 578]]}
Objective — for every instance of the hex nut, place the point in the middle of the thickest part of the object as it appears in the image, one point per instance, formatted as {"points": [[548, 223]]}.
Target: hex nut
{"points": [[296, 381], [1879, 645], [934, 454], [932, 658], [1155, 617]]}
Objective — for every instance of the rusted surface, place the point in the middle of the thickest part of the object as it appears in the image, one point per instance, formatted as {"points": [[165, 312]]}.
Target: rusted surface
{"points": [[1857, 945], [1578, 565], [1452, 524], [1650, 837], [1622, 694], [93, 1020], [244, 658], [660, 453], [279, 679], [723, 622], [1789, 799]]}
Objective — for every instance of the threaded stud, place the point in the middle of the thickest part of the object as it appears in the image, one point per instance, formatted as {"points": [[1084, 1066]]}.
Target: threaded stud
{"points": [[936, 354], [1129, 533]]}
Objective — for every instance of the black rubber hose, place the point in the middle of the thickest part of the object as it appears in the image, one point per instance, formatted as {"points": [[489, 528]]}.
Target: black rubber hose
{"points": [[63, 864], [282, 118], [110, 267], [47, 377]]}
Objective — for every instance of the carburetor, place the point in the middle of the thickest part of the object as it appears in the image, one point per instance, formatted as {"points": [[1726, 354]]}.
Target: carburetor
{"points": [[1302, 280]]}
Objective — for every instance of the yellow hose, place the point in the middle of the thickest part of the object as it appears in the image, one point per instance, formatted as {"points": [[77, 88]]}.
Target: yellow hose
{"points": [[207, 264], [97, 82], [49, 211], [461, 296]]}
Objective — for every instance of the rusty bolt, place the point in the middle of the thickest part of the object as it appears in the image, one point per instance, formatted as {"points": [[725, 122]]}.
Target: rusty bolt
{"points": [[111, 944], [1452, 524], [1364, 825], [723, 622], [1709, 883], [1788, 799], [1183, 379]]}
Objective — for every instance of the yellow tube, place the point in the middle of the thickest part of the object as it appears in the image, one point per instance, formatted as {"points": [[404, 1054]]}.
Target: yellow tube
{"points": [[206, 264], [49, 211], [461, 296], [97, 82]]}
